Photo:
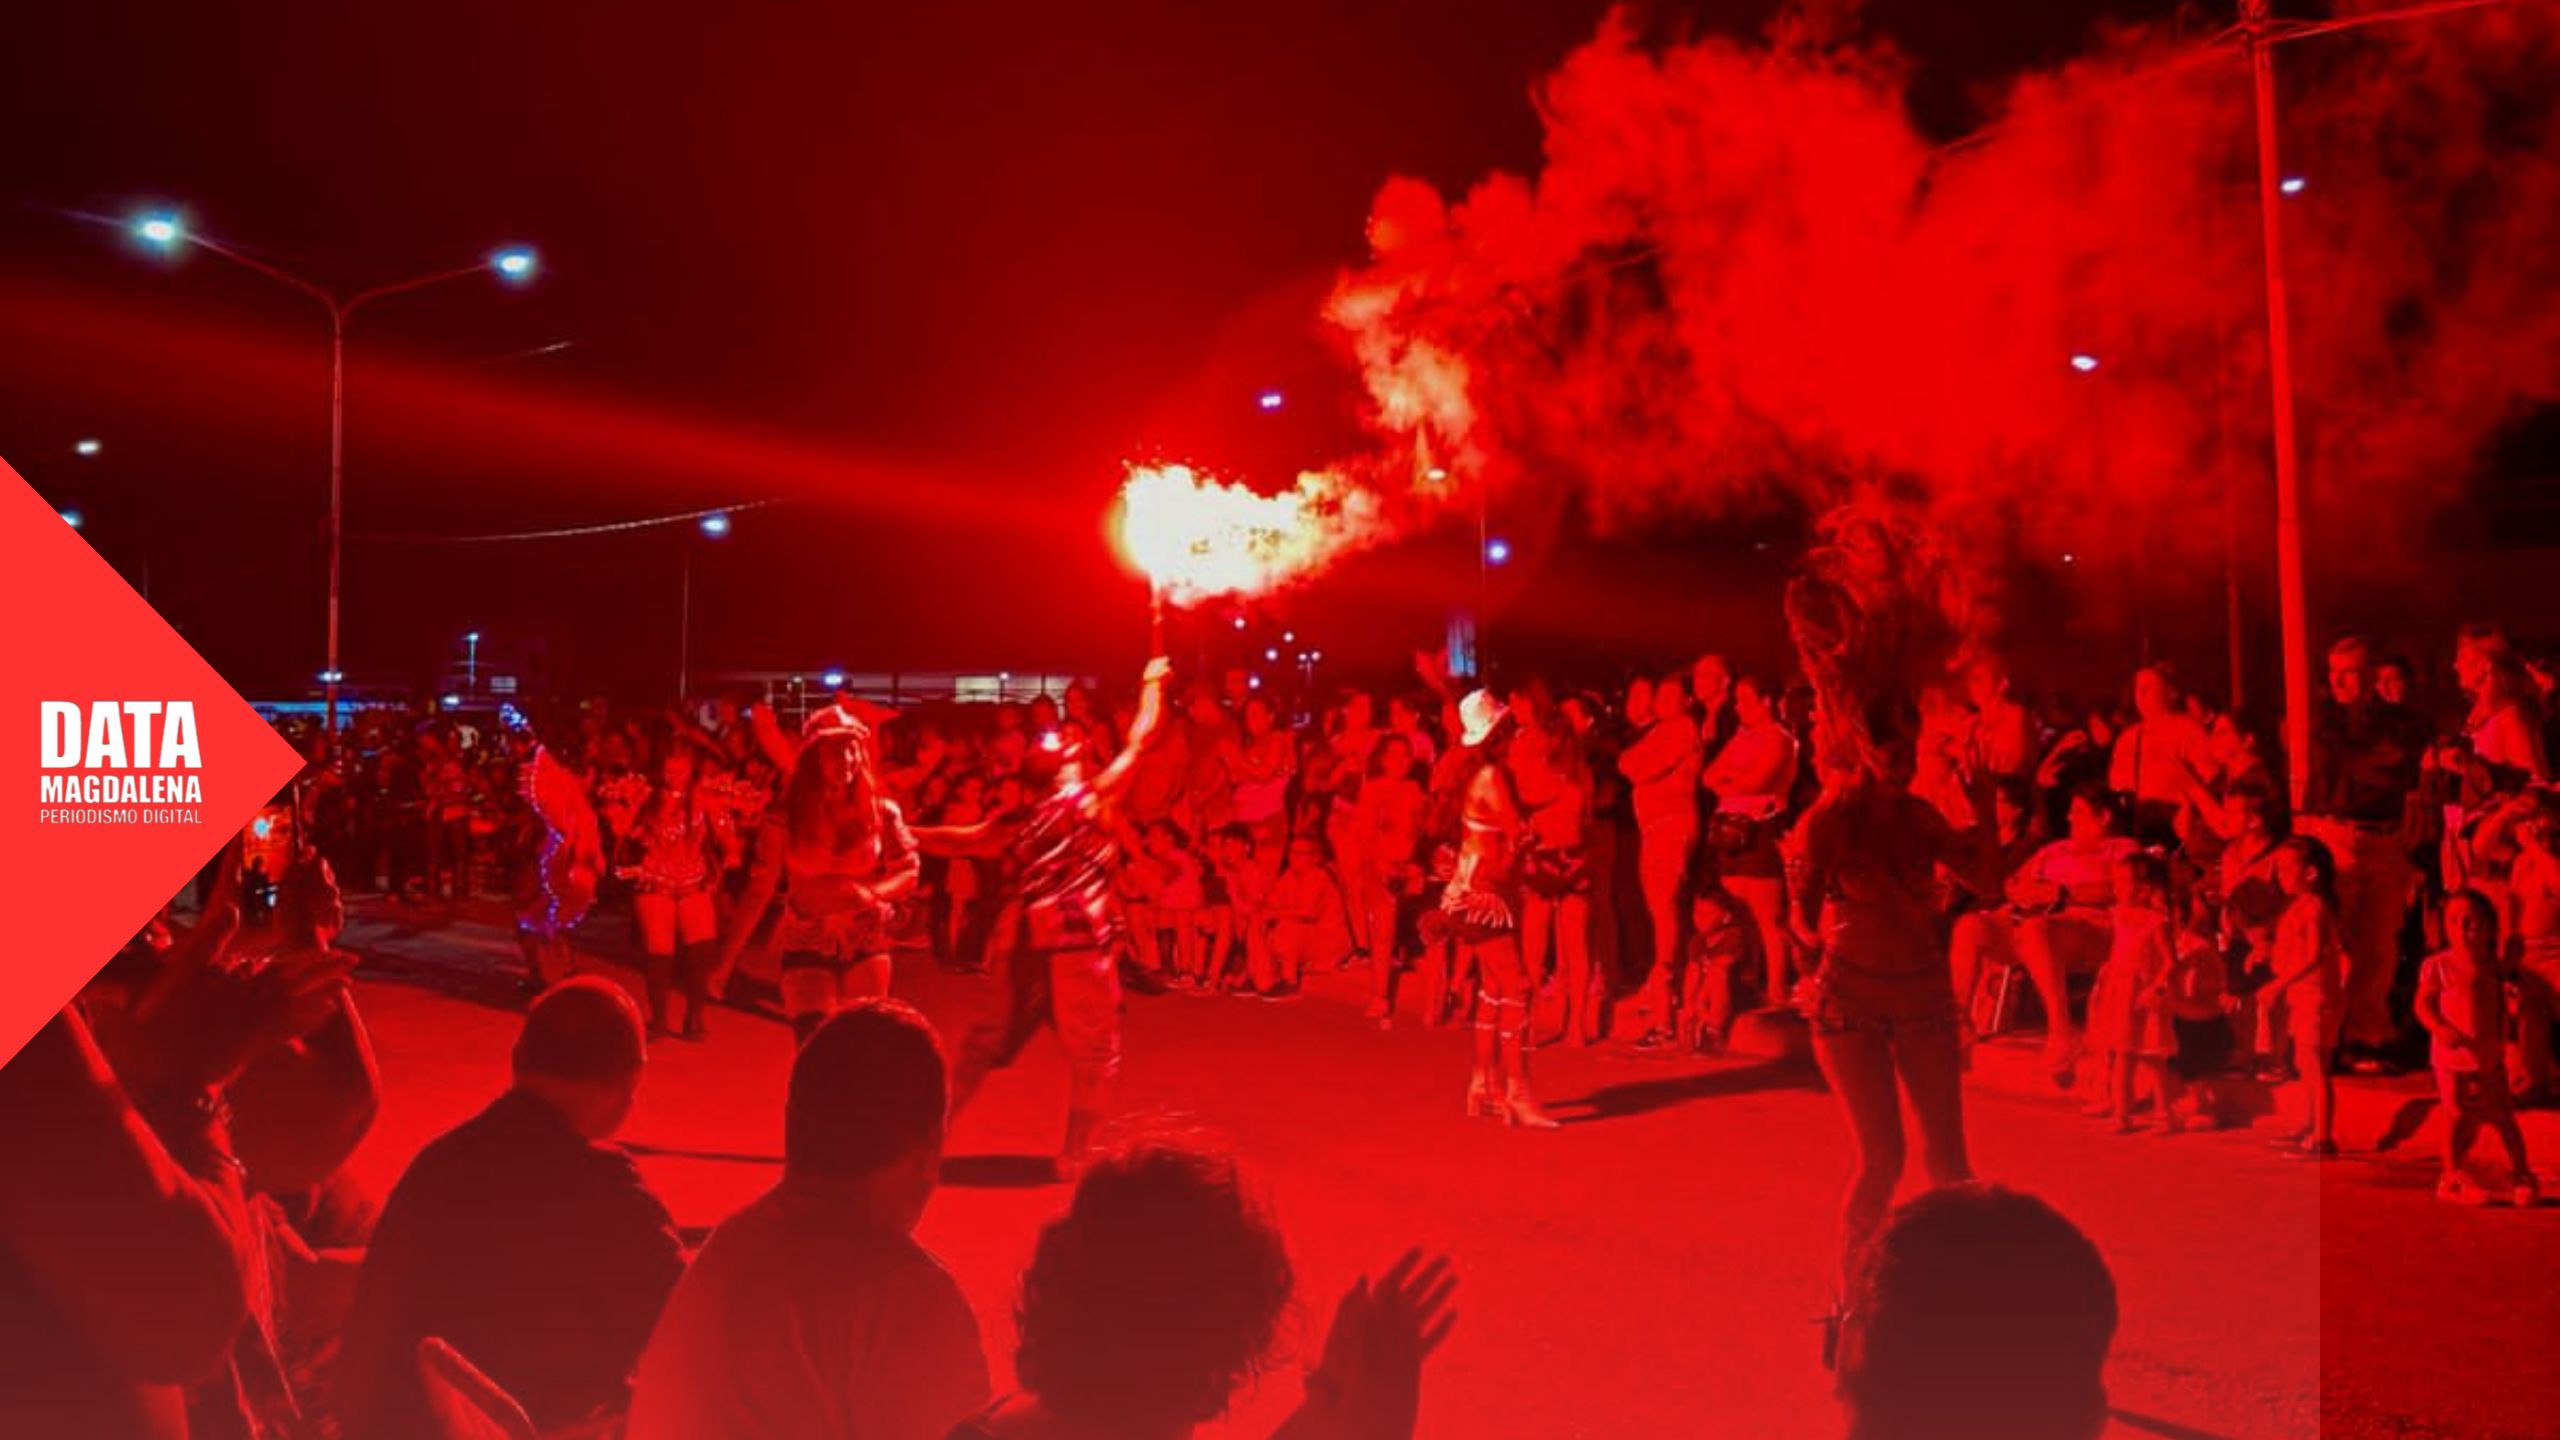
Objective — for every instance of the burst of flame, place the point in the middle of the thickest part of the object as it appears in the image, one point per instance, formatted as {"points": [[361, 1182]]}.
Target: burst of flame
{"points": [[1197, 536]]}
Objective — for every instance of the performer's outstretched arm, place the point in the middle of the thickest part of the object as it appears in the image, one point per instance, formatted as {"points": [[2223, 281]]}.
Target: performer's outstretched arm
{"points": [[1143, 729], [981, 840]]}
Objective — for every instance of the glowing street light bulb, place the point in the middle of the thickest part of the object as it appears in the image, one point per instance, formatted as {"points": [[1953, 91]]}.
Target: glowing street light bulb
{"points": [[1272, 654], [833, 679], [162, 228], [1497, 552], [715, 525], [71, 518], [516, 263], [2292, 184], [1436, 474], [86, 448], [2084, 362], [1272, 400]]}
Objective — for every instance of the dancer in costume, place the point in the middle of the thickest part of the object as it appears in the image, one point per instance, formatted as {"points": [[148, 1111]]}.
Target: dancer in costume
{"points": [[1480, 911], [559, 887], [1875, 617], [673, 842], [841, 854]]}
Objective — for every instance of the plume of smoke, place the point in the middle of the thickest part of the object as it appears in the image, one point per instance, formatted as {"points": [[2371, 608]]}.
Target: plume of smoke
{"points": [[1741, 278]]}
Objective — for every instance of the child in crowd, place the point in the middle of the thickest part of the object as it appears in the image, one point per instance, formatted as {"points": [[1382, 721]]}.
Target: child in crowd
{"points": [[1238, 916], [1308, 922], [2309, 973], [2130, 1010], [2200, 1019], [2251, 904], [2463, 1005], [1181, 898], [1141, 884]]}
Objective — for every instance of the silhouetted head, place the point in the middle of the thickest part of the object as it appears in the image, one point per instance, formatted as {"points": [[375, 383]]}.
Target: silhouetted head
{"points": [[2471, 923], [1977, 1313], [1755, 700], [2304, 866], [869, 1095], [2157, 692], [582, 1049], [1154, 1297]]}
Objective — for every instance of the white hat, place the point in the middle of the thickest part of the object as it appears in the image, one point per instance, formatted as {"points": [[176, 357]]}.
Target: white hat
{"points": [[1478, 714], [835, 720]]}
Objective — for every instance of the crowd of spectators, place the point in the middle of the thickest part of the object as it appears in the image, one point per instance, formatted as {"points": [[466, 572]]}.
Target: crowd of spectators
{"points": [[190, 1260], [2141, 922]]}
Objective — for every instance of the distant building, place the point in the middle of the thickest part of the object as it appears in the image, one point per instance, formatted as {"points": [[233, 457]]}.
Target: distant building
{"points": [[793, 694]]}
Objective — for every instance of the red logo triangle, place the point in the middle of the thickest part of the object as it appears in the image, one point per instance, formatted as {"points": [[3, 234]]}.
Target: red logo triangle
{"points": [[85, 876]]}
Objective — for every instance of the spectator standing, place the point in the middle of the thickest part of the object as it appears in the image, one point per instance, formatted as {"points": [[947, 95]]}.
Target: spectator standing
{"points": [[2365, 759], [1661, 767], [2156, 757]]}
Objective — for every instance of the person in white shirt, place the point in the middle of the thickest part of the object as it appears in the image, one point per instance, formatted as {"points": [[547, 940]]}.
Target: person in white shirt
{"points": [[2158, 757]]}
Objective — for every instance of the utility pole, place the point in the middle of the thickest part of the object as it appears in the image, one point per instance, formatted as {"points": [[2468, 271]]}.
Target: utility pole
{"points": [[2289, 578]]}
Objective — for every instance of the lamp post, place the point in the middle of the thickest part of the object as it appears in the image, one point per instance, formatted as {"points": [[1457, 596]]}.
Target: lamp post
{"points": [[471, 663], [166, 231], [2294, 608]]}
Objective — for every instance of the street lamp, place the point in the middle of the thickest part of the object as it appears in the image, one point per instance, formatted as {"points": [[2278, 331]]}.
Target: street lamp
{"points": [[471, 662], [86, 448], [166, 230], [71, 518]]}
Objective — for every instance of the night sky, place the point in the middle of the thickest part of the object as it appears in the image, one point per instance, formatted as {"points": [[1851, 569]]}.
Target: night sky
{"points": [[928, 272]]}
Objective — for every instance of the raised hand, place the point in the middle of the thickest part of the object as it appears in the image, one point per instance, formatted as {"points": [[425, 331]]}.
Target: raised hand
{"points": [[1432, 668], [1370, 1380], [210, 1011]]}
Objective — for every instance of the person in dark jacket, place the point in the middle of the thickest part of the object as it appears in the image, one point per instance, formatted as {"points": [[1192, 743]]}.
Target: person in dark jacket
{"points": [[521, 1238]]}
